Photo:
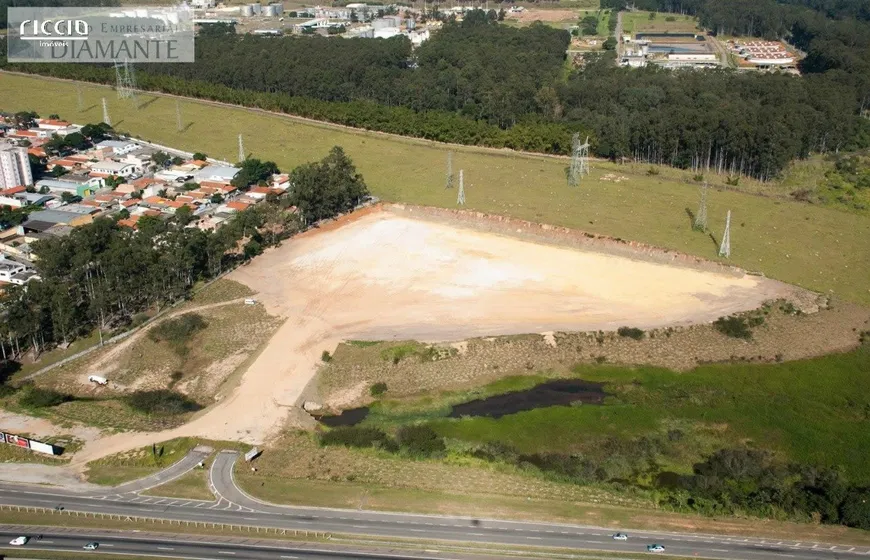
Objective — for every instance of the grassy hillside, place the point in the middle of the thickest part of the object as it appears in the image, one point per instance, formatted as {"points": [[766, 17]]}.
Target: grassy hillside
{"points": [[812, 411], [819, 248]]}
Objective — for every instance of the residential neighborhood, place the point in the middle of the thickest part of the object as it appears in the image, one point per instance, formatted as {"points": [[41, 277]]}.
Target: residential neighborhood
{"points": [[117, 177]]}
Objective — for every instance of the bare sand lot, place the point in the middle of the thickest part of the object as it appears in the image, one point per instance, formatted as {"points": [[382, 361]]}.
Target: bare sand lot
{"points": [[384, 277]]}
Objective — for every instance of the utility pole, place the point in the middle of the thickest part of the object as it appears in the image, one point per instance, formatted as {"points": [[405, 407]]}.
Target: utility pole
{"points": [[178, 124], [725, 247], [80, 99], [241, 150], [700, 223], [460, 200], [106, 118], [579, 160]]}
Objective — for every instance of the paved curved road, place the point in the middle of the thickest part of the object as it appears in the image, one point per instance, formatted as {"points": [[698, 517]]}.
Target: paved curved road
{"points": [[233, 506]]}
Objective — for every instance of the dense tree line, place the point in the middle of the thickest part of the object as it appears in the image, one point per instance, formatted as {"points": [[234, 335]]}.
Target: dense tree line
{"points": [[103, 274], [477, 82]]}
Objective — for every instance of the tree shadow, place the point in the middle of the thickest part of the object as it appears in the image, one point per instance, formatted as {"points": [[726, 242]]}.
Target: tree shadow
{"points": [[715, 242], [145, 104], [187, 127], [691, 216]]}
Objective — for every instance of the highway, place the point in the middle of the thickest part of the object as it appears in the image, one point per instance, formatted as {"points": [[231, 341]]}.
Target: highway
{"points": [[199, 549], [233, 506]]}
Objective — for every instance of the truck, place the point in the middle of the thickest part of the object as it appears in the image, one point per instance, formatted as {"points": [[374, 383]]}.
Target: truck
{"points": [[98, 380]]}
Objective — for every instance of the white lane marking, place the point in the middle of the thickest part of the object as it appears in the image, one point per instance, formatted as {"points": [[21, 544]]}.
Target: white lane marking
{"points": [[225, 552], [289, 557], [47, 542], [535, 538], [719, 550], [107, 545], [165, 548]]}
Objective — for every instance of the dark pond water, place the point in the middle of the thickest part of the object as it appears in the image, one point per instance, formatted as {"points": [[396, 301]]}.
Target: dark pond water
{"points": [[552, 393], [349, 417]]}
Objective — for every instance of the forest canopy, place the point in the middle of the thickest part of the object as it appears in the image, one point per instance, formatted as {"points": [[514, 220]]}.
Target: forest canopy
{"points": [[481, 83]]}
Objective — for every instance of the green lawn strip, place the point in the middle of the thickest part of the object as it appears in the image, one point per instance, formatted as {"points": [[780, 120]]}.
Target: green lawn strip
{"points": [[819, 248], [355, 495], [812, 411], [138, 463], [193, 486], [58, 354]]}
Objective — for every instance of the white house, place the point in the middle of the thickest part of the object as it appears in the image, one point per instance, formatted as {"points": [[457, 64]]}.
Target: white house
{"points": [[119, 147], [117, 168], [216, 173]]}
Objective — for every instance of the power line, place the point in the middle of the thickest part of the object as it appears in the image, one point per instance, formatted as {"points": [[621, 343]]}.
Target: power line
{"points": [[725, 247], [125, 80], [106, 118], [579, 160], [700, 223], [460, 200]]}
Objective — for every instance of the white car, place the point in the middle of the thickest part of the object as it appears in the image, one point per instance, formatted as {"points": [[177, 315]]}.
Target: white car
{"points": [[19, 541], [91, 546], [655, 548], [620, 537]]}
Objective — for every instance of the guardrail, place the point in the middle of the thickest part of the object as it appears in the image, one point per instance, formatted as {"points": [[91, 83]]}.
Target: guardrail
{"points": [[171, 522]]}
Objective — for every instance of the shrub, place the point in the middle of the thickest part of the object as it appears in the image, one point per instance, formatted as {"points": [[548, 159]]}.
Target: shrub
{"points": [[653, 171], [178, 332], [735, 327], [161, 401], [138, 319], [630, 332], [355, 436], [733, 181], [699, 177], [326, 356], [420, 441], [378, 389], [35, 397]]}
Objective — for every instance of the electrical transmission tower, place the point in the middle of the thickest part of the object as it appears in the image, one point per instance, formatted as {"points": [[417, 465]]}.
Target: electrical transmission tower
{"points": [[178, 124], [241, 150], [449, 183], [700, 223], [725, 247], [106, 118], [579, 160], [125, 81], [460, 200], [80, 99]]}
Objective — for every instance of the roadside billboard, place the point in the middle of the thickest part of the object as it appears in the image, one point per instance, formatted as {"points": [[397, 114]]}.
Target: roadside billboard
{"points": [[27, 443]]}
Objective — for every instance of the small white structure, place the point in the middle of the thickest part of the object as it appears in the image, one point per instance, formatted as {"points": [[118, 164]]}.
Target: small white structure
{"points": [[98, 380], [250, 301]]}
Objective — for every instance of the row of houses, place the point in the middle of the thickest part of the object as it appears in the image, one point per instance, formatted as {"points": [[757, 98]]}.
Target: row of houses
{"points": [[116, 178]]}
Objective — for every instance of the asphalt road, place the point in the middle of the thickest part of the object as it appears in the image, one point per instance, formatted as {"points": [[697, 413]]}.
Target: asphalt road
{"points": [[233, 506], [178, 548]]}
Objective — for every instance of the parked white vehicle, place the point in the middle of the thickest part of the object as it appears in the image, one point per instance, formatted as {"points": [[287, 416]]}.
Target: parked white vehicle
{"points": [[98, 380], [250, 301]]}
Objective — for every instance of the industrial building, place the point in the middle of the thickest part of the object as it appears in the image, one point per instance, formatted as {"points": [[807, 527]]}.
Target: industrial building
{"points": [[14, 167], [763, 54]]}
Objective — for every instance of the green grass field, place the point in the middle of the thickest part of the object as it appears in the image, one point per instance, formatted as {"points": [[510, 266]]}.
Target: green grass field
{"points": [[816, 247], [640, 22], [812, 411]]}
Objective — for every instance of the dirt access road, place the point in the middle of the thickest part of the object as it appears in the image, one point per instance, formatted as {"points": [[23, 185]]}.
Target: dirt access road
{"points": [[384, 277]]}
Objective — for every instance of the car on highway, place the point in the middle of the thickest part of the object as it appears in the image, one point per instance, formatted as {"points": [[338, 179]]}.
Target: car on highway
{"points": [[655, 548], [620, 537], [91, 546], [19, 541]]}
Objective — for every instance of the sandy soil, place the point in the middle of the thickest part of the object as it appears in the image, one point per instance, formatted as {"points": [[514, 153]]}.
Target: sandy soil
{"points": [[385, 277], [531, 14]]}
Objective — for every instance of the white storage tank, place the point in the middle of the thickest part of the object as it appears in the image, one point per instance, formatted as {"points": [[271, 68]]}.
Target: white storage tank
{"points": [[247, 11], [268, 11], [279, 8], [257, 8]]}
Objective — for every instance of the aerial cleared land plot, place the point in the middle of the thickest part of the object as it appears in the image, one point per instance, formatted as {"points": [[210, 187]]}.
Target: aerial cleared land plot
{"points": [[660, 22], [817, 248], [377, 275]]}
